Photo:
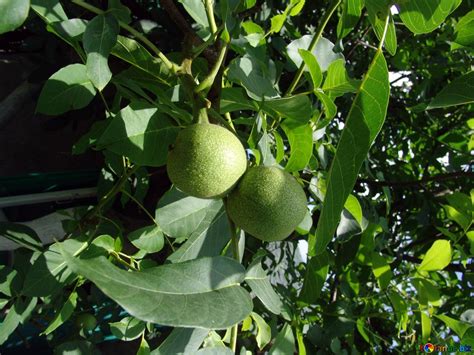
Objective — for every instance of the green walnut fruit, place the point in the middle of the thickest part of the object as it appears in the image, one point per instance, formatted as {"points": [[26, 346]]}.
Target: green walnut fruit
{"points": [[206, 161], [86, 321], [268, 203]]}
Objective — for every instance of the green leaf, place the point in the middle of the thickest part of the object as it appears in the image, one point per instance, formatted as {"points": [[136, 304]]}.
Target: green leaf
{"points": [[313, 67], [351, 11], [140, 132], [250, 74], [67, 89], [465, 30], [330, 109], [265, 147], [144, 348], [217, 350], [458, 92], [381, 269], [12, 14], [427, 292], [208, 239], [49, 10], [99, 38], [316, 272], [196, 9], [235, 99], [16, 315], [337, 81], [457, 326], [49, 273], [284, 342], [258, 281], [134, 53], [190, 294], [119, 11], [297, 108], [300, 138], [323, 51], [437, 257], [149, 239], [264, 333], [10, 281], [179, 215], [22, 235], [424, 16], [353, 206], [128, 328], [277, 23], [182, 341], [70, 31], [296, 6], [361, 324], [64, 314], [425, 326], [362, 126], [377, 11]]}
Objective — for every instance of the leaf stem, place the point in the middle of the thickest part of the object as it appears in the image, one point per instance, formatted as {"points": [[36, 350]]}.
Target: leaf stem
{"points": [[235, 252], [314, 41], [209, 79], [385, 30], [173, 67], [210, 15]]}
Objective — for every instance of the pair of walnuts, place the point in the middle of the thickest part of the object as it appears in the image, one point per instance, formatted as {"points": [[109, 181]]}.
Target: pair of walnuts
{"points": [[208, 161]]}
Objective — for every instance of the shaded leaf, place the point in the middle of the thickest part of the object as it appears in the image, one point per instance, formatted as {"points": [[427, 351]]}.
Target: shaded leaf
{"points": [[264, 334], [134, 53], [67, 89], [351, 11], [149, 239], [140, 132], [49, 273], [323, 51], [363, 124], [458, 92], [284, 342], [182, 341], [174, 294], [465, 30], [258, 281], [63, 315], [99, 38], [337, 81], [424, 16], [22, 235], [179, 215], [49, 10], [457, 326], [297, 108], [316, 272], [16, 315], [128, 328], [209, 238], [381, 269]]}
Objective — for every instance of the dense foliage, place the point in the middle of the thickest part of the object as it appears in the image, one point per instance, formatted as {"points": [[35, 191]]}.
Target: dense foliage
{"points": [[367, 103]]}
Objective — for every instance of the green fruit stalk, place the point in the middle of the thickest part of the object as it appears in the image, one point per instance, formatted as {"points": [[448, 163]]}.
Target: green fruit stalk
{"points": [[207, 161], [268, 203]]}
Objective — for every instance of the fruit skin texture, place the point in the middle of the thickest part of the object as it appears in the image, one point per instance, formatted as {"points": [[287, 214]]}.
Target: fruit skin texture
{"points": [[268, 203], [207, 161]]}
